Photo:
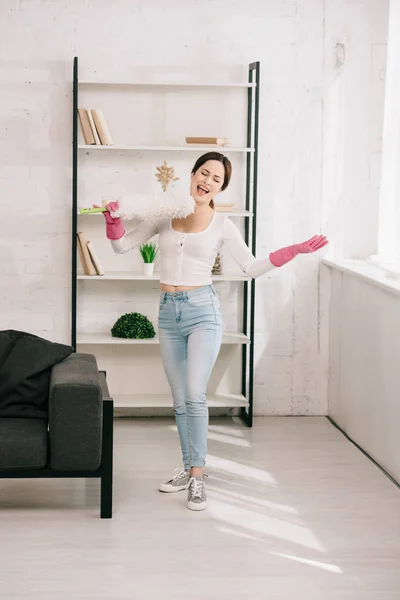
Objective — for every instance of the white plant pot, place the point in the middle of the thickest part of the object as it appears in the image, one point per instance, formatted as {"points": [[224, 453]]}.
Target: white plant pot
{"points": [[148, 269]]}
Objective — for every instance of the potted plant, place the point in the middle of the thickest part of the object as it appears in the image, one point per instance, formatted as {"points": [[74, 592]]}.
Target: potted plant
{"points": [[134, 326], [149, 254]]}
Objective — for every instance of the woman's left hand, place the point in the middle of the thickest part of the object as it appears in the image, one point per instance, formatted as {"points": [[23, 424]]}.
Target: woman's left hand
{"points": [[312, 245]]}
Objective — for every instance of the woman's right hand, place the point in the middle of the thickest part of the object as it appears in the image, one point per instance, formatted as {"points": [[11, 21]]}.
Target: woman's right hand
{"points": [[111, 207], [114, 227]]}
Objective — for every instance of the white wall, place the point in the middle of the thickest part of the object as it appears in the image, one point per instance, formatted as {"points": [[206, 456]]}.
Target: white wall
{"points": [[364, 366], [320, 123]]}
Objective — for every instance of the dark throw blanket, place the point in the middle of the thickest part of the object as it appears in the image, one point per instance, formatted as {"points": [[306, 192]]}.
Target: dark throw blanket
{"points": [[25, 367]]}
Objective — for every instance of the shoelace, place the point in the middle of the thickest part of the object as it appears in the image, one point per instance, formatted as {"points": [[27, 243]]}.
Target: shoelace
{"points": [[196, 488], [180, 474]]}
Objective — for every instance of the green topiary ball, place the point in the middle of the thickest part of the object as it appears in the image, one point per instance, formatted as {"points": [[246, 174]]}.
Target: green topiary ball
{"points": [[133, 326]]}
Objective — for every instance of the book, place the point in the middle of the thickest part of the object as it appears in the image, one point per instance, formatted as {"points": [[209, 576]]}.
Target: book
{"points": [[81, 258], [89, 266], [93, 127], [85, 125], [214, 141], [95, 259], [101, 126], [224, 207]]}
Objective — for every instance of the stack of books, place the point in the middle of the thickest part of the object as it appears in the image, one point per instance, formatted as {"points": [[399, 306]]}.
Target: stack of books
{"points": [[94, 127], [89, 260]]}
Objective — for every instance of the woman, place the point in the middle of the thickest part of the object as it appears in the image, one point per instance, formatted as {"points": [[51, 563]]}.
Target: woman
{"points": [[190, 329]]}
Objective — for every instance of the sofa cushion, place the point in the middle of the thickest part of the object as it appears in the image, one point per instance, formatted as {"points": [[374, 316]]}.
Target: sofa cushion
{"points": [[25, 365], [23, 443]]}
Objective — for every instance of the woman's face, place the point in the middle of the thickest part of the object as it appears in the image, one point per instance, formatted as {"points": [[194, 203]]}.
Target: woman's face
{"points": [[206, 183]]}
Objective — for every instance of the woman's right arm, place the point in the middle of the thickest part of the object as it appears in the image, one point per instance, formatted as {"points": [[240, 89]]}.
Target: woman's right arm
{"points": [[120, 240], [143, 232]]}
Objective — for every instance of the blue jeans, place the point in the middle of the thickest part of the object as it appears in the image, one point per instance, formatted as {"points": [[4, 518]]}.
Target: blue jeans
{"points": [[190, 332]]}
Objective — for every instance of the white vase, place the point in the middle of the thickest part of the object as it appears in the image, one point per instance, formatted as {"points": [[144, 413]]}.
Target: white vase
{"points": [[148, 269]]}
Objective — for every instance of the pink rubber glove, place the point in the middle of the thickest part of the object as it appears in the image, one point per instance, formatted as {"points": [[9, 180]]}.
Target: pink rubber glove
{"points": [[284, 255], [114, 227]]}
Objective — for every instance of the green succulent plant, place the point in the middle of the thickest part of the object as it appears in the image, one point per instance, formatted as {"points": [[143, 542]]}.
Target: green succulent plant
{"points": [[133, 326], [149, 252]]}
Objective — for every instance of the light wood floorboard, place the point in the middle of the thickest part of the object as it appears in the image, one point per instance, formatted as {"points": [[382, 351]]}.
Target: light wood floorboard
{"points": [[296, 512]]}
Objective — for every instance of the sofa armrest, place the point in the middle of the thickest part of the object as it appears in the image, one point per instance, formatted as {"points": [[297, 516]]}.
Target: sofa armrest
{"points": [[75, 414]]}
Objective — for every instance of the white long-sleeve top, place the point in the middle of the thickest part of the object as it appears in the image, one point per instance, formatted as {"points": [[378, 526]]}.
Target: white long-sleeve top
{"points": [[187, 259]]}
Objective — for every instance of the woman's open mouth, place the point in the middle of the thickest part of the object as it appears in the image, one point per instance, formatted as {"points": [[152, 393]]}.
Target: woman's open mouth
{"points": [[202, 191]]}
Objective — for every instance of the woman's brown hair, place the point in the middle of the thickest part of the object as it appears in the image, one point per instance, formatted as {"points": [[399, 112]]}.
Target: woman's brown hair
{"points": [[221, 158]]}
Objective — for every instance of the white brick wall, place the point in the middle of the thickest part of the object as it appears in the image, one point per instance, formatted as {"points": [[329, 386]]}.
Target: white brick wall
{"points": [[320, 142]]}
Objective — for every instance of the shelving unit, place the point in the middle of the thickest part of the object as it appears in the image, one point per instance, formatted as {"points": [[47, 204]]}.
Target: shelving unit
{"points": [[89, 341]]}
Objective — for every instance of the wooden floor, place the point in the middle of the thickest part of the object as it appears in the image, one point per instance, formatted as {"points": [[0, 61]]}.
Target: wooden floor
{"points": [[296, 512]]}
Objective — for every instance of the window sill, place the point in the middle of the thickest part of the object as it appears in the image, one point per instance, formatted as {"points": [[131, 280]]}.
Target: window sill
{"points": [[368, 272]]}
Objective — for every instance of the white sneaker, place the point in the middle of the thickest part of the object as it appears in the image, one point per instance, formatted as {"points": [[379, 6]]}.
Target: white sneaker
{"points": [[178, 483], [197, 499]]}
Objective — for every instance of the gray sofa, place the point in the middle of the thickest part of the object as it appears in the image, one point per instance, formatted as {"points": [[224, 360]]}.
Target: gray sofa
{"points": [[77, 438]]}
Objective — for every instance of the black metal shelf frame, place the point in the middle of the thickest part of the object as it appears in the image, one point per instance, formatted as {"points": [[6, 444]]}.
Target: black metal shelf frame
{"points": [[253, 103], [253, 99]]}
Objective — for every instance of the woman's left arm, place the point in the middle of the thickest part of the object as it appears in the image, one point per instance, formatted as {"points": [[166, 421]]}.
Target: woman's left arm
{"points": [[255, 267]]}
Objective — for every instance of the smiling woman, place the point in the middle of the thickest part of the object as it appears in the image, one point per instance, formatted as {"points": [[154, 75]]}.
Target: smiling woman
{"points": [[189, 323]]}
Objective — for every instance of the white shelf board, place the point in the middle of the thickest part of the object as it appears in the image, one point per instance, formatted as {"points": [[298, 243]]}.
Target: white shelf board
{"points": [[124, 276], [189, 148], [236, 213], [179, 84], [120, 276], [165, 401], [230, 213], [85, 339]]}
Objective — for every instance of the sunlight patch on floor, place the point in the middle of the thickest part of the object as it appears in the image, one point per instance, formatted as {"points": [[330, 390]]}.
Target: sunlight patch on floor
{"points": [[228, 439], [235, 468], [263, 523], [311, 563], [227, 430], [246, 499]]}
